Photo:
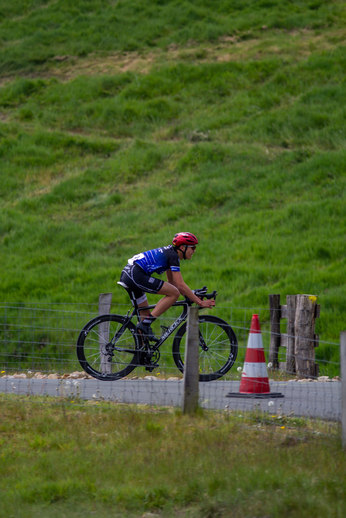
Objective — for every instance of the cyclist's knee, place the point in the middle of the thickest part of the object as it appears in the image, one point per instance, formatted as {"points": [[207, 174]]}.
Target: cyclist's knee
{"points": [[170, 291], [175, 293]]}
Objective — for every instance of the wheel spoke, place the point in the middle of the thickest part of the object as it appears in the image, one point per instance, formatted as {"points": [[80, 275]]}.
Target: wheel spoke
{"points": [[92, 351], [221, 345]]}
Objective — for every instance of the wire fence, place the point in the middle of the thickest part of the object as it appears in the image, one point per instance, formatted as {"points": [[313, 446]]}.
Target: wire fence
{"points": [[42, 337], [38, 356]]}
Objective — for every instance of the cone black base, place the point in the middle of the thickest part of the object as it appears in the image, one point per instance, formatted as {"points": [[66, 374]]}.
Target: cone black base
{"points": [[272, 395]]}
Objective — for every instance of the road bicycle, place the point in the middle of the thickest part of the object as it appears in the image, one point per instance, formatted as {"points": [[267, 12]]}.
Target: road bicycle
{"points": [[109, 346]]}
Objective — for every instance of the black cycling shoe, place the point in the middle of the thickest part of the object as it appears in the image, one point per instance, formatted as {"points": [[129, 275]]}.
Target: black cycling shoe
{"points": [[144, 361], [146, 331]]}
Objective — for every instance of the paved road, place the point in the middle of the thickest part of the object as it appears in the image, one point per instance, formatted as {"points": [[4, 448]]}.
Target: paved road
{"points": [[314, 399]]}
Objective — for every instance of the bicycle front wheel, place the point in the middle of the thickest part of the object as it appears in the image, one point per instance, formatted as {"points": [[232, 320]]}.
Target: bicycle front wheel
{"points": [[218, 347], [94, 346]]}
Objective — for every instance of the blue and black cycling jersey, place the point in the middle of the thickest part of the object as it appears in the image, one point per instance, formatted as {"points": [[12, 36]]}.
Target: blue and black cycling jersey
{"points": [[158, 260]]}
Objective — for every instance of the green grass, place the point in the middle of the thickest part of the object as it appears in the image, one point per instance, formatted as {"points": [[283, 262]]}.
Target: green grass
{"points": [[82, 458], [227, 121], [34, 32]]}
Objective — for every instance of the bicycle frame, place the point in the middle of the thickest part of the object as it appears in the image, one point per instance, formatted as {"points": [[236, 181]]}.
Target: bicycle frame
{"points": [[217, 342], [136, 312]]}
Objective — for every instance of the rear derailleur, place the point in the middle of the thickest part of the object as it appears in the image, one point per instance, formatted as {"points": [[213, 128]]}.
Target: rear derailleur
{"points": [[107, 350]]}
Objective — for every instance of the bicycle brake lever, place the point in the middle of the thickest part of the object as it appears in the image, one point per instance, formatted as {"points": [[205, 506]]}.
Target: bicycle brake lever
{"points": [[210, 296]]}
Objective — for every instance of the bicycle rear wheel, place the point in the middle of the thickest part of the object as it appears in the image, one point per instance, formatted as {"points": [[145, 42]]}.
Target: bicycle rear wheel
{"points": [[218, 347], [92, 348]]}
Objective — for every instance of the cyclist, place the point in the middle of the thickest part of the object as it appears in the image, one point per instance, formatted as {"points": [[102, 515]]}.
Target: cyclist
{"points": [[137, 275]]}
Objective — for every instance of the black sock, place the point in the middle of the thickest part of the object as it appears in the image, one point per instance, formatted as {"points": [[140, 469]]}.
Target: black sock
{"points": [[148, 320]]}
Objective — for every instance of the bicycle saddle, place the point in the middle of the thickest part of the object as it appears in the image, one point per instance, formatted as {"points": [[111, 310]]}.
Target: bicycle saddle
{"points": [[131, 295], [123, 285]]}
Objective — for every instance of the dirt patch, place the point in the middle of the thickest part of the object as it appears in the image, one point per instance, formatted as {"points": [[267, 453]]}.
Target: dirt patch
{"points": [[260, 45], [96, 64]]}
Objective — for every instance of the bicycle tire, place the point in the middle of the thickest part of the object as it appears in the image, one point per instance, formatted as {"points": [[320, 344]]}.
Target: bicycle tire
{"points": [[89, 345], [222, 348]]}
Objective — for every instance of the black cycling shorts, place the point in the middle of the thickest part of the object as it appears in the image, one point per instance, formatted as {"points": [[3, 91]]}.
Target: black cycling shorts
{"points": [[140, 282]]}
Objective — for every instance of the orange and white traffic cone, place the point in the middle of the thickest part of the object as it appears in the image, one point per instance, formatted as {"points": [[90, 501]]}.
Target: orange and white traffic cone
{"points": [[254, 380]]}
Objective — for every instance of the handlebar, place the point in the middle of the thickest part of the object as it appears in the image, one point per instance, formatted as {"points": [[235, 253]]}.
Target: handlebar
{"points": [[202, 294], [211, 295]]}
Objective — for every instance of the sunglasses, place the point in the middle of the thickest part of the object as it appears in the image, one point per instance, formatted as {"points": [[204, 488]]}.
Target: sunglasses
{"points": [[192, 246]]}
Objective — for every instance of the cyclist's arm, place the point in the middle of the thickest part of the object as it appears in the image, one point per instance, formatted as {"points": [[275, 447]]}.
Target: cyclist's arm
{"points": [[169, 274], [177, 280]]}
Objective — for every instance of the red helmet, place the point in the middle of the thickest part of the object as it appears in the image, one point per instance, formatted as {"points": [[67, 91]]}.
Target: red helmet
{"points": [[184, 238]]}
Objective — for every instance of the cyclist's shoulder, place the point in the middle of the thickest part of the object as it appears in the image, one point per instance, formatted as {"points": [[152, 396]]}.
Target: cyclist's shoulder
{"points": [[165, 250], [166, 255], [172, 258], [170, 251]]}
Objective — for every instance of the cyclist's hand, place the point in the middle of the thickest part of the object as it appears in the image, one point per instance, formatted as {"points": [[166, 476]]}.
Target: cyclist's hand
{"points": [[207, 303]]}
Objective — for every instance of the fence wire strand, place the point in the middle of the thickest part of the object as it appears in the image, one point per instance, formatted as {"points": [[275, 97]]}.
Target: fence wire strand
{"points": [[38, 357]]}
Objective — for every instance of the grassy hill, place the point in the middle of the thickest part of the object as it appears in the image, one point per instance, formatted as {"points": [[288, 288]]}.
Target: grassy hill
{"points": [[124, 122]]}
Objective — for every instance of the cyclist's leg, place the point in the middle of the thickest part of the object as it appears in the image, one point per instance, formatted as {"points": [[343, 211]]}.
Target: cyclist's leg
{"points": [[140, 283], [144, 312], [171, 295], [140, 296]]}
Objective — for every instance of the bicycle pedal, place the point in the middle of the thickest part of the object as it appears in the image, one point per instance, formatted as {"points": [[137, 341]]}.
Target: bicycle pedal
{"points": [[151, 367]]}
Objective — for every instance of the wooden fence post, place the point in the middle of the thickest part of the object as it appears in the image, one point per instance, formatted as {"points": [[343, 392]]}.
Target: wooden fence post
{"points": [[291, 315], [304, 325], [105, 300], [300, 333], [343, 386], [275, 315], [191, 368]]}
